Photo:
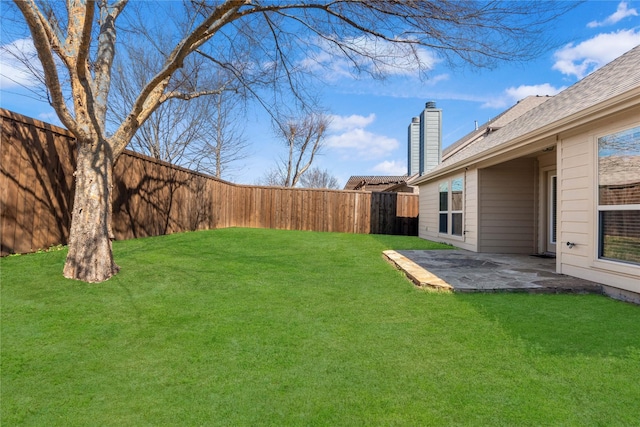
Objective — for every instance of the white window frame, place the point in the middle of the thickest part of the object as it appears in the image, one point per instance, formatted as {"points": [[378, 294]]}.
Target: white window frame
{"points": [[600, 261], [450, 212]]}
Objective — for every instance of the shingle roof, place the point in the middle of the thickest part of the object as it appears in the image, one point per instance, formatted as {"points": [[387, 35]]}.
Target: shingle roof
{"points": [[494, 124], [358, 182], [615, 78], [618, 170]]}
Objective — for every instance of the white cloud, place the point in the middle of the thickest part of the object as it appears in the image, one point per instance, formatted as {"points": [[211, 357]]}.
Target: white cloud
{"points": [[586, 57], [354, 121], [512, 94], [13, 70], [350, 138], [522, 91], [363, 144], [622, 12], [391, 167]]}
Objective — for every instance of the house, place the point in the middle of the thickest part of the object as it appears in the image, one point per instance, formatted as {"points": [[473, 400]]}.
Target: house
{"points": [[394, 184], [561, 178]]}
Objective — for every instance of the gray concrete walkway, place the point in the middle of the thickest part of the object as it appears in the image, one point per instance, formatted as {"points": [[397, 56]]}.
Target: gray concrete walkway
{"points": [[464, 271]]}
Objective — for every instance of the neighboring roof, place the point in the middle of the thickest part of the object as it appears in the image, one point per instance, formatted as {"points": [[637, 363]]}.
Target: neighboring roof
{"points": [[366, 182], [588, 96], [494, 124], [618, 170]]}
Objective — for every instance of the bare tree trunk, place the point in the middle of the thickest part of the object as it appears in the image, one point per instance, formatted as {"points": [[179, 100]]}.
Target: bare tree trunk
{"points": [[90, 258], [76, 44]]}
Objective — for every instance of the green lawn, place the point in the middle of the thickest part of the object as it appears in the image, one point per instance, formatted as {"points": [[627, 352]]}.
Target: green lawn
{"points": [[261, 327]]}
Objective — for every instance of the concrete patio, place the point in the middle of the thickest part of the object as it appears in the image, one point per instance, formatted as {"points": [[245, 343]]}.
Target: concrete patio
{"points": [[464, 271]]}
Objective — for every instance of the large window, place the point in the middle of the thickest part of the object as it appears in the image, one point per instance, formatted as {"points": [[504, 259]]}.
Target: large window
{"points": [[619, 196], [451, 207]]}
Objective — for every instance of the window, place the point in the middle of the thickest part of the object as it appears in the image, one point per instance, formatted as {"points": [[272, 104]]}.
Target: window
{"points": [[619, 196], [444, 208], [456, 206], [451, 207]]}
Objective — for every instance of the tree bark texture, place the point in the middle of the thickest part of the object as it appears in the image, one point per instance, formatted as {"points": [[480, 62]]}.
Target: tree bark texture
{"points": [[90, 258]]}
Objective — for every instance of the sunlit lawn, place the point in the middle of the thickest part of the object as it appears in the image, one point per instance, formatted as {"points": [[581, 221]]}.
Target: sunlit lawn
{"points": [[262, 327]]}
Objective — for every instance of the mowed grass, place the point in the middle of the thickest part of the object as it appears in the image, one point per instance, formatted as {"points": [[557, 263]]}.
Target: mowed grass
{"points": [[261, 327]]}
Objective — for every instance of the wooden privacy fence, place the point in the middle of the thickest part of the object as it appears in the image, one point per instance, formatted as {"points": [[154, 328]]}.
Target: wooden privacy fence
{"points": [[154, 198]]}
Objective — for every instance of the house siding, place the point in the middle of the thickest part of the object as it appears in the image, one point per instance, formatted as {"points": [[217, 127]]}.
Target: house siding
{"points": [[577, 209], [428, 216], [506, 216], [429, 210]]}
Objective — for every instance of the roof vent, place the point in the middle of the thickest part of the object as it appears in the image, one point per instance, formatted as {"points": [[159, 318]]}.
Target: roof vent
{"points": [[430, 104]]}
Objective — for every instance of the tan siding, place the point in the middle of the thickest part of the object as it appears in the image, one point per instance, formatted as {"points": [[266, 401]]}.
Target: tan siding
{"points": [[574, 226], [515, 246], [547, 160], [573, 205], [576, 194], [428, 218], [577, 171], [507, 208], [571, 185]]}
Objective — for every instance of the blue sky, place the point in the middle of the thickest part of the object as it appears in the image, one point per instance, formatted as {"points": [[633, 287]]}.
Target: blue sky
{"points": [[370, 118]]}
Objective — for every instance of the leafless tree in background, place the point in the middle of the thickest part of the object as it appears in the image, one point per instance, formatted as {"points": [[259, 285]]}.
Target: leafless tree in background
{"points": [[222, 142], [263, 44], [205, 134], [319, 178], [272, 177], [303, 137]]}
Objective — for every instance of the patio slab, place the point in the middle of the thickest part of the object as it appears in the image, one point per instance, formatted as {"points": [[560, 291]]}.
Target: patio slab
{"points": [[464, 271]]}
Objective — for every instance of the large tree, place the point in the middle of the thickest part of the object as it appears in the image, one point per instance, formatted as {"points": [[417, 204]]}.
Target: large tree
{"points": [[259, 42]]}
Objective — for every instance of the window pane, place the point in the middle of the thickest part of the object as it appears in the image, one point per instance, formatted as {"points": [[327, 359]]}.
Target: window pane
{"points": [[620, 235], [444, 225], [456, 224], [456, 194], [444, 196], [619, 168]]}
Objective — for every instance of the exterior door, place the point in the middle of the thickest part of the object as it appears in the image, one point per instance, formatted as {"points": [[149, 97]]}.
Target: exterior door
{"points": [[552, 211]]}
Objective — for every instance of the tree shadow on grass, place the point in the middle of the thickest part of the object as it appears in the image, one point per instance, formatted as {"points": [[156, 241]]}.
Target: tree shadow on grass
{"points": [[590, 325]]}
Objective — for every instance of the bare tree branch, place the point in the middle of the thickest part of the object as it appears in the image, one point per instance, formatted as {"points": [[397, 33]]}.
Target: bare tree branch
{"points": [[45, 40], [151, 94], [262, 48], [303, 137], [318, 178]]}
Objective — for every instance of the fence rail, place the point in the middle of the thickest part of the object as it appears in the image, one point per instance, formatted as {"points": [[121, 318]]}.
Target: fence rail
{"points": [[154, 198]]}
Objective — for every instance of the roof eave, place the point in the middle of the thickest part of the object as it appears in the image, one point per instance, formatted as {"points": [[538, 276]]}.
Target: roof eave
{"points": [[613, 105]]}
